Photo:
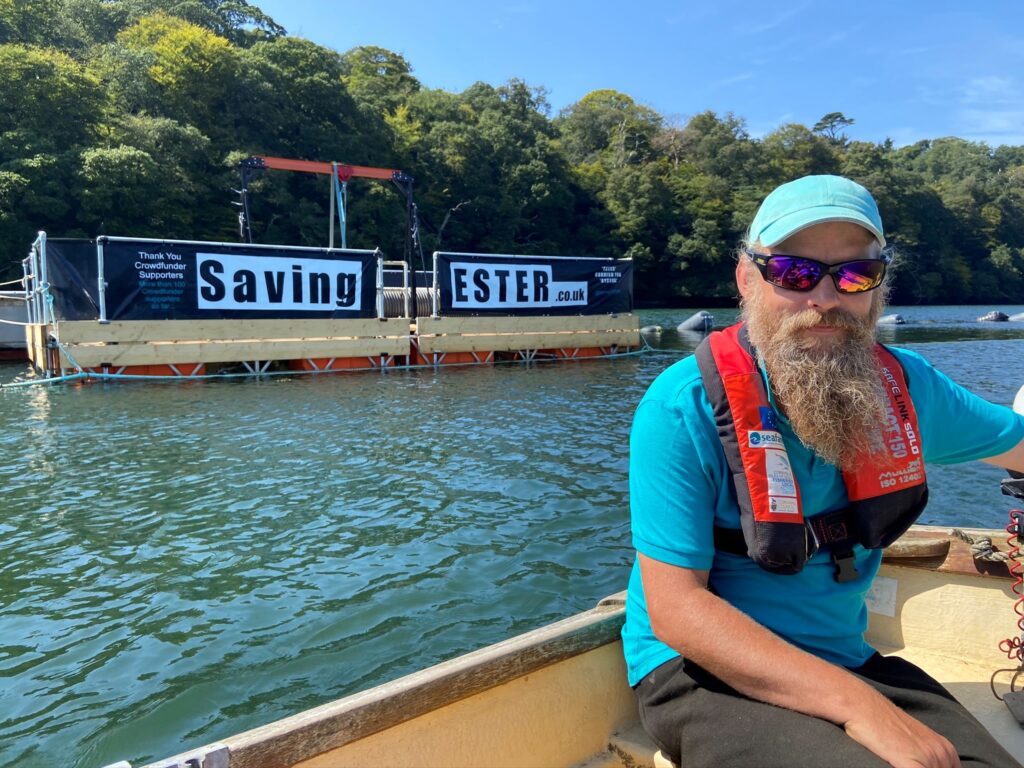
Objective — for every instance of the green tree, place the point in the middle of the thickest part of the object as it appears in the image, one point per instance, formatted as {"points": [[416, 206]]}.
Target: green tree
{"points": [[378, 78], [831, 126], [608, 123], [792, 151], [194, 70], [51, 102]]}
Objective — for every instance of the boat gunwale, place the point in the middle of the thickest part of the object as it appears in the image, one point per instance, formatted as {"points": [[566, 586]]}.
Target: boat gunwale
{"points": [[305, 735]]}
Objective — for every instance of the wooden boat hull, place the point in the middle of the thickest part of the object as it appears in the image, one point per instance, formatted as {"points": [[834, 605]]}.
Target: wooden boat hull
{"points": [[558, 696]]}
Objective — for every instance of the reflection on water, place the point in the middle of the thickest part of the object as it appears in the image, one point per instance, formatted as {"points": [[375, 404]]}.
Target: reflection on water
{"points": [[179, 562]]}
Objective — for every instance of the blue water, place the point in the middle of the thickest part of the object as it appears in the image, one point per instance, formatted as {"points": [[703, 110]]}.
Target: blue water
{"points": [[182, 561]]}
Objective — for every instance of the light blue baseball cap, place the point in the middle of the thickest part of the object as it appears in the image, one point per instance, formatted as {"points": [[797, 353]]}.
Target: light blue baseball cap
{"points": [[812, 200]]}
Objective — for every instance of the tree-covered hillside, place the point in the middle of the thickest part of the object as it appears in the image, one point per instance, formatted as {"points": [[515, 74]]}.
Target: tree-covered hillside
{"points": [[128, 117]]}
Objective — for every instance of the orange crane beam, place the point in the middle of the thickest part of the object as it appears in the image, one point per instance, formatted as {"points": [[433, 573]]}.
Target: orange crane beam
{"points": [[344, 171]]}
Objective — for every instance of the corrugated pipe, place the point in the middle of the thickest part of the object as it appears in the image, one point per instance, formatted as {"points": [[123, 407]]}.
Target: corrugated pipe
{"points": [[394, 302]]}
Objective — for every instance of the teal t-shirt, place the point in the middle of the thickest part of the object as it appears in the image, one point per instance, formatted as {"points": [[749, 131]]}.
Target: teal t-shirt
{"points": [[680, 488]]}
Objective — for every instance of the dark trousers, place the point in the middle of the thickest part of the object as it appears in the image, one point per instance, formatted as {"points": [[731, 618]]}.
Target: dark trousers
{"points": [[697, 720]]}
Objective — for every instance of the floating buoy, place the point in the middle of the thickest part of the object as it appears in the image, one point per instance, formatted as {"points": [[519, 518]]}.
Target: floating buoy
{"points": [[1018, 318], [700, 321], [995, 316], [651, 330], [895, 319]]}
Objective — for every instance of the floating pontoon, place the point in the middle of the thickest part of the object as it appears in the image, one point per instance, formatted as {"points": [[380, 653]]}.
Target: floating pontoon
{"points": [[117, 307]]}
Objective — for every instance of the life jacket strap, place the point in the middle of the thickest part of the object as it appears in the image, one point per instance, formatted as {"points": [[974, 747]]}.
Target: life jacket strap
{"points": [[832, 532]]}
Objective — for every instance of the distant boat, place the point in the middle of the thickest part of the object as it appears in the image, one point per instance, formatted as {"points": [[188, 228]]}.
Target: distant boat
{"points": [[558, 696], [995, 316], [894, 319]]}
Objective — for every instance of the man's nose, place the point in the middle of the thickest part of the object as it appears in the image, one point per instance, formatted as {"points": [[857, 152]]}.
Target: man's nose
{"points": [[824, 295]]}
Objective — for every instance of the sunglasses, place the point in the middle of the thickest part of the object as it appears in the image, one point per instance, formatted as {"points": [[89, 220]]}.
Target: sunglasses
{"points": [[796, 273]]}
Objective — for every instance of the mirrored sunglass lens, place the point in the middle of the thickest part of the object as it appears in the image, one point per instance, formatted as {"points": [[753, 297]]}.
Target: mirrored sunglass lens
{"points": [[859, 276], [793, 273]]}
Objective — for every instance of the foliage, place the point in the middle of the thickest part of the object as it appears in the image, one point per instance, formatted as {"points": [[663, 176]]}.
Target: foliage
{"points": [[129, 117], [832, 124]]}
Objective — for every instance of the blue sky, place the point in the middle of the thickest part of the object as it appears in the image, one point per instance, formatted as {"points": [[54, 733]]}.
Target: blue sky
{"points": [[903, 70]]}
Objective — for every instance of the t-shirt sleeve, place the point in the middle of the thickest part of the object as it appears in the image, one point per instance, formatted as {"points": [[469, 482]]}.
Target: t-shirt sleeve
{"points": [[957, 425], [671, 496]]}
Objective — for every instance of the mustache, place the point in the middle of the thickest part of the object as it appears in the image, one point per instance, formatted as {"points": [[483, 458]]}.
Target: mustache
{"points": [[832, 318]]}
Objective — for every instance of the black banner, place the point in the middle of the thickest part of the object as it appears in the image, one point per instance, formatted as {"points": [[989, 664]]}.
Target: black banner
{"points": [[481, 284], [193, 280], [71, 272]]}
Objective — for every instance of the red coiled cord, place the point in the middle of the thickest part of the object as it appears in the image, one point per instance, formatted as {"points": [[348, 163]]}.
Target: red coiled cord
{"points": [[1014, 647]]}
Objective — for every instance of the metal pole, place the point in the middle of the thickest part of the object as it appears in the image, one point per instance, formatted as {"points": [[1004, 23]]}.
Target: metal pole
{"points": [[101, 280], [43, 275], [245, 230], [44, 304], [34, 256], [248, 219], [434, 293], [331, 201], [343, 213], [406, 292], [410, 212], [380, 285], [26, 268]]}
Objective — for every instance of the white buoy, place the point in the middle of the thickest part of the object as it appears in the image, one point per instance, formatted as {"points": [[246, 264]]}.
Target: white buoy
{"points": [[1018, 318], [699, 321], [895, 319], [651, 330]]}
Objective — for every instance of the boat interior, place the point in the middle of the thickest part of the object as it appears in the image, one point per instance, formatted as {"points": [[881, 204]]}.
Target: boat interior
{"points": [[558, 695]]}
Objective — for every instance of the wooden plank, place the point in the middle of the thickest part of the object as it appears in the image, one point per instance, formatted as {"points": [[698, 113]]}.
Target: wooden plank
{"points": [[488, 342], [956, 558], [516, 324], [911, 548], [123, 331], [175, 352], [300, 737], [507, 333], [35, 338]]}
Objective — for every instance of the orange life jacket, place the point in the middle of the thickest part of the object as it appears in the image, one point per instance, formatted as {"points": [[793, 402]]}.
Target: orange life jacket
{"points": [[887, 493]]}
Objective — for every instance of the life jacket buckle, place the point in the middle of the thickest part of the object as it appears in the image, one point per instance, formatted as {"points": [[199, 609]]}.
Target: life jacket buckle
{"points": [[845, 569]]}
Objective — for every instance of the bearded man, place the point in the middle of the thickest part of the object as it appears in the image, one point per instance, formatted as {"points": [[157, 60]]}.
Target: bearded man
{"points": [[767, 471]]}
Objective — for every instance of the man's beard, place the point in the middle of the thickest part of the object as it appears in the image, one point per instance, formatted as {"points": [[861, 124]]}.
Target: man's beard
{"points": [[830, 389]]}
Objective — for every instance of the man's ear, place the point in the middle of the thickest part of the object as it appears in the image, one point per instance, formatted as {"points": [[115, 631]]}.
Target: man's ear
{"points": [[743, 273]]}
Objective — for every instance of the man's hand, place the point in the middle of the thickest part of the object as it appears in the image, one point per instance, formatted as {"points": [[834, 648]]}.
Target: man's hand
{"points": [[899, 739]]}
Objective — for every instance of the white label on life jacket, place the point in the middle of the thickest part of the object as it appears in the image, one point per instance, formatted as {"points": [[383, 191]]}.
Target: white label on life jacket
{"points": [[780, 474], [783, 505], [764, 438]]}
